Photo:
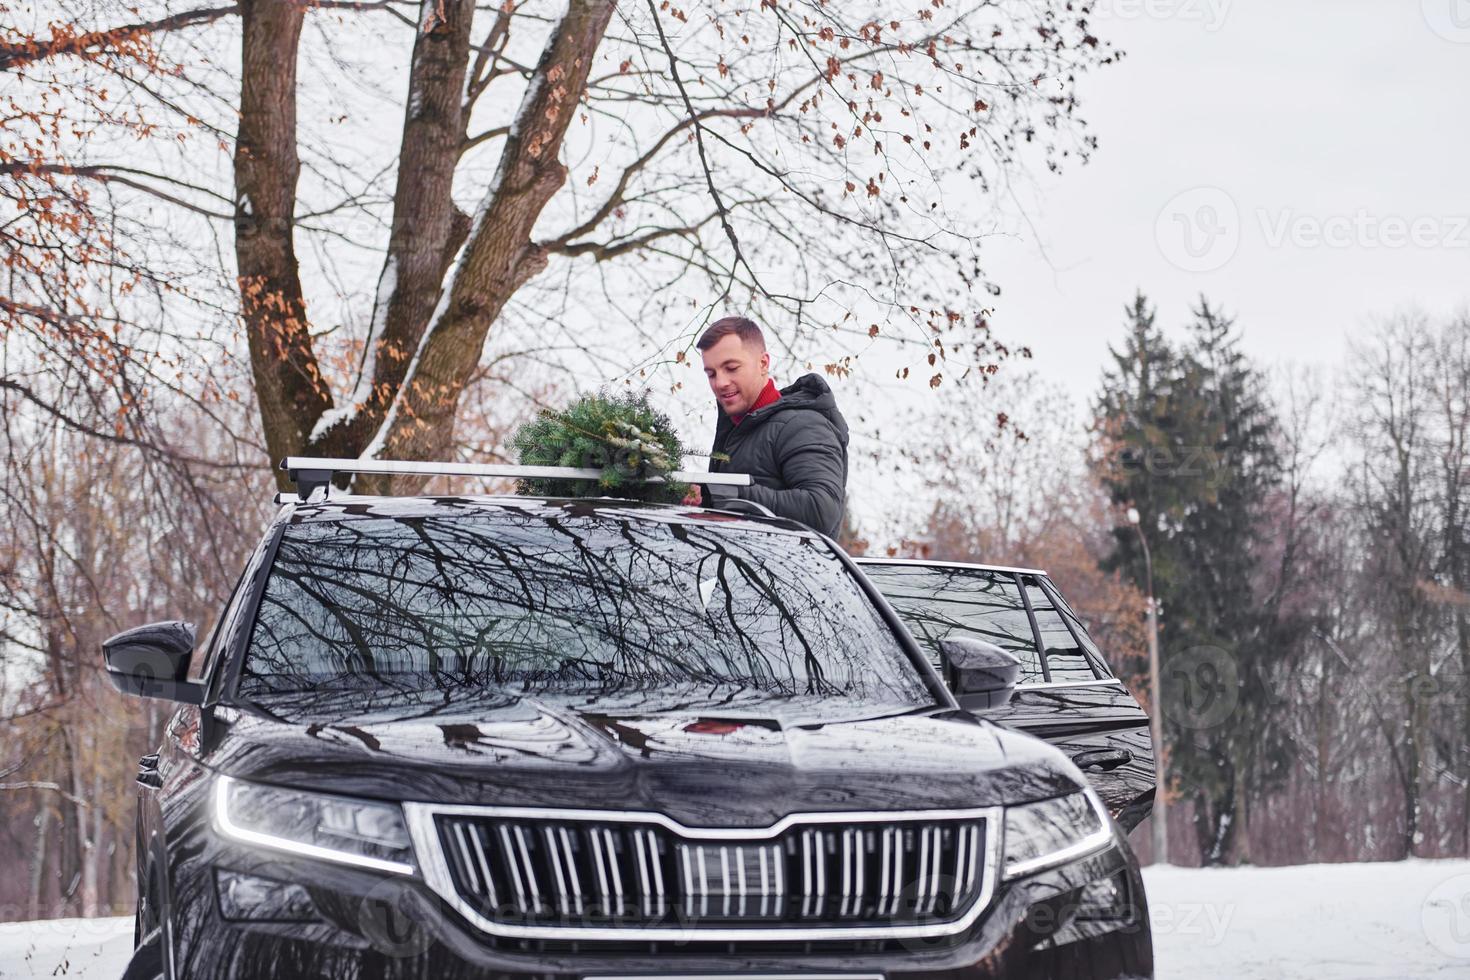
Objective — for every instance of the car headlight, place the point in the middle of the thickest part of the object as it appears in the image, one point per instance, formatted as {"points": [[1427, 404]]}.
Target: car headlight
{"points": [[332, 828], [1052, 832]]}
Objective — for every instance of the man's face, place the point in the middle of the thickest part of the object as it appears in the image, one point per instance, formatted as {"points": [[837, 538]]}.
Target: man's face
{"points": [[737, 372]]}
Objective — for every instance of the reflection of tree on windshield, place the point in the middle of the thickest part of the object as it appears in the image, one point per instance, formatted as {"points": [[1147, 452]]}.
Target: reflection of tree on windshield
{"points": [[570, 604], [937, 603]]}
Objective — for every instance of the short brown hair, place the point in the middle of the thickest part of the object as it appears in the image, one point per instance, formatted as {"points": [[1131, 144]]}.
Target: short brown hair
{"points": [[741, 327]]}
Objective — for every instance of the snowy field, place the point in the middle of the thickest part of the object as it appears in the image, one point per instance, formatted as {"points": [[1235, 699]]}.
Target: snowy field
{"points": [[91, 948], [1323, 922], [1401, 921]]}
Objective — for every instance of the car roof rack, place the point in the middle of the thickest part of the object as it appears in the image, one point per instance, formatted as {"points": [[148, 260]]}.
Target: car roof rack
{"points": [[739, 505], [312, 474]]}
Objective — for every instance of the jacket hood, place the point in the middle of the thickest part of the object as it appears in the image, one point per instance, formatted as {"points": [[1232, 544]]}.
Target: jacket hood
{"points": [[704, 767], [809, 392]]}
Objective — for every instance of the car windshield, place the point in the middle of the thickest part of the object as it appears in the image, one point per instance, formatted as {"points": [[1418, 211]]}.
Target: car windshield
{"points": [[571, 605]]}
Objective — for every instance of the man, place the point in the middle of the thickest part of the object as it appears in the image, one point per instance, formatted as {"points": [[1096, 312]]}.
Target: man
{"points": [[793, 441]]}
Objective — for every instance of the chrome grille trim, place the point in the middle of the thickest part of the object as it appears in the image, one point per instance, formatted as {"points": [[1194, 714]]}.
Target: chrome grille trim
{"points": [[432, 859], [530, 869], [922, 890], [929, 855], [971, 847], [652, 883], [484, 868]]}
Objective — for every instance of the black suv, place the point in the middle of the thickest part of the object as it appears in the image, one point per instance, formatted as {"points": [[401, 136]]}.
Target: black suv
{"points": [[451, 737]]}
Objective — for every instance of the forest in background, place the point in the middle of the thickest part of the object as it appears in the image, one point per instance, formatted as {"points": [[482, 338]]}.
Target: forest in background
{"points": [[1311, 562]]}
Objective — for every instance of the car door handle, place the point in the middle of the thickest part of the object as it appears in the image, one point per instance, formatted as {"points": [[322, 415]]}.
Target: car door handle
{"points": [[148, 774], [1103, 760]]}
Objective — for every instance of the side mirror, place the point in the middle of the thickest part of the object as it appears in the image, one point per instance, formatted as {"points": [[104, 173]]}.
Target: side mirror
{"points": [[980, 675], [153, 662]]}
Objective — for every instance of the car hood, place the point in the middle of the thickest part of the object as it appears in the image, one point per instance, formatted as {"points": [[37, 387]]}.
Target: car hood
{"points": [[737, 766]]}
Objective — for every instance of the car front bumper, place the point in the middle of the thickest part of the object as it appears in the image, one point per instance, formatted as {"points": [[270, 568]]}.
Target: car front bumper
{"points": [[366, 925]]}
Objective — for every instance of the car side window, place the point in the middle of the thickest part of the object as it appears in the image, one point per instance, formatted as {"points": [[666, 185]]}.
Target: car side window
{"points": [[1099, 662], [211, 645], [227, 627], [937, 603], [1067, 658]]}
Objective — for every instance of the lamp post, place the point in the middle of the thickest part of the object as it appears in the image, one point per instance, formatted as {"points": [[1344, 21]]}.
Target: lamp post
{"points": [[1156, 695]]}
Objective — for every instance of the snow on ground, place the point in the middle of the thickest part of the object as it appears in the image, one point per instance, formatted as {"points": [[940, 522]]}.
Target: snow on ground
{"points": [[1403, 921], [96, 949], [1400, 921]]}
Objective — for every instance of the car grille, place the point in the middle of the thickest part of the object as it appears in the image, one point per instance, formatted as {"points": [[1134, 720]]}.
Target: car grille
{"points": [[595, 875]]}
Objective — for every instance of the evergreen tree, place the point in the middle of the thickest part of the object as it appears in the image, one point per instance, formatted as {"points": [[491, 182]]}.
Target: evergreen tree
{"points": [[1186, 437], [1141, 432], [1223, 618]]}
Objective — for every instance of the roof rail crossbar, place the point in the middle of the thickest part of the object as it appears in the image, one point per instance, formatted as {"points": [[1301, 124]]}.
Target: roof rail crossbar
{"points": [[311, 474], [739, 505]]}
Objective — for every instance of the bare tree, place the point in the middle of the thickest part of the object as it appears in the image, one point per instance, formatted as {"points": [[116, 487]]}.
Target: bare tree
{"points": [[95, 542], [828, 167], [1450, 385], [1013, 489], [1394, 484], [89, 270]]}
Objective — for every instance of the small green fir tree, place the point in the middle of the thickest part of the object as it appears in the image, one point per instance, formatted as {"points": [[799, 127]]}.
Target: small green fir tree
{"points": [[622, 435]]}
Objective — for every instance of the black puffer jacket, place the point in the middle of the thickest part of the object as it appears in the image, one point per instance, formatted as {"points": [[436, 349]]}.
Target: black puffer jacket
{"points": [[796, 449]]}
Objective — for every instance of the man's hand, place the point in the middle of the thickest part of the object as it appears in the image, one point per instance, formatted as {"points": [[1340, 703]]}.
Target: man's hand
{"points": [[692, 498]]}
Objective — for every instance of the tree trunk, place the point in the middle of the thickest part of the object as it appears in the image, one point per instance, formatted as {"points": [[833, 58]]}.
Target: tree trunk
{"points": [[1240, 827], [289, 387], [1215, 818], [1204, 825], [1324, 757], [1409, 778], [427, 228], [97, 855], [499, 256], [1462, 626], [38, 862], [73, 867], [86, 845], [1456, 407]]}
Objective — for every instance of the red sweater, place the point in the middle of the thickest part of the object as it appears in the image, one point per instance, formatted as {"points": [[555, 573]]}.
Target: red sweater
{"points": [[768, 396]]}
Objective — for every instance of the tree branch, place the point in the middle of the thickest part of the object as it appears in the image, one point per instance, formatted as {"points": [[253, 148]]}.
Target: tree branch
{"points": [[424, 223], [290, 389], [709, 177], [617, 196], [499, 256], [17, 54], [53, 787]]}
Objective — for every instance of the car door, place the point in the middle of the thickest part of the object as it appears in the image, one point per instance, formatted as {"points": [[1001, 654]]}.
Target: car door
{"points": [[1066, 693]]}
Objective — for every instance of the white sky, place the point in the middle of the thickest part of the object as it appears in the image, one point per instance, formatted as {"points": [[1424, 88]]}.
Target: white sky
{"points": [[1345, 118]]}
